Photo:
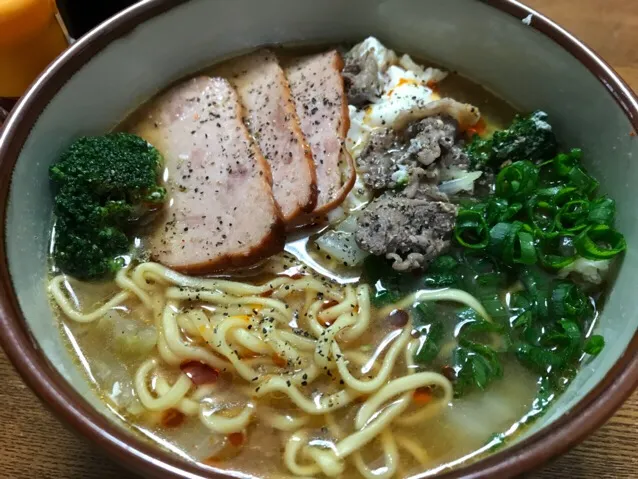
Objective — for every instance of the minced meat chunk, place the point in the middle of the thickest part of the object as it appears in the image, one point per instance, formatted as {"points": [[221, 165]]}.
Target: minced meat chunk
{"points": [[433, 144], [409, 231], [361, 75], [420, 187], [380, 159], [437, 138]]}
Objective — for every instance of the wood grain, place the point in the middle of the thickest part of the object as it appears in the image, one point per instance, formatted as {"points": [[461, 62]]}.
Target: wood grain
{"points": [[35, 445]]}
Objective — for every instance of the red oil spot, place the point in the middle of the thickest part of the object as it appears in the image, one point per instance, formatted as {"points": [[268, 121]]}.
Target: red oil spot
{"points": [[173, 418], [478, 129], [279, 361], [422, 395], [236, 438]]}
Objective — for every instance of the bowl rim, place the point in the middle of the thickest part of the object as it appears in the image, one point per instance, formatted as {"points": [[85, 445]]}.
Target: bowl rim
{"points": [[142, 456]]}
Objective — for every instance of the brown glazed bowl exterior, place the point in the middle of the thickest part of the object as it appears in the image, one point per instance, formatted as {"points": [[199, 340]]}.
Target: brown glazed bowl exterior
{"points": [[40, 374]]}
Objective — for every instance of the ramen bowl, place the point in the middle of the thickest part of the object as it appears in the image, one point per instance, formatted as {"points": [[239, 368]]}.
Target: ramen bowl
{"points": [[509, 49]]}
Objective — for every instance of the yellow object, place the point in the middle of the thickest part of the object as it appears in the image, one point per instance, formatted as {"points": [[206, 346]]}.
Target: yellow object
{"points": [[30, 38]]}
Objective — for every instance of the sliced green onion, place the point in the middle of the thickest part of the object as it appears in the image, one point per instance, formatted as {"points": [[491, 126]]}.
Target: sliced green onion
{"points": [[501, 237], [513, 242], [600, 242], [602, 211], [567, 301], [517, 180], [557, 252], [567, 165], [581, 180], [572, 216], [527, 253], [520, 310], [566, 162], [569, 340], [594, 345], [471, 230], [538, 285], [541, 213], [498, 210], [565, 195]]}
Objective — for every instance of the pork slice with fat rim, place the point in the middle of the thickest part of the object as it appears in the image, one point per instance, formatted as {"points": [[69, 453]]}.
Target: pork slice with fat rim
{"points": [[272, 120], [319, 94], [221, 212]]}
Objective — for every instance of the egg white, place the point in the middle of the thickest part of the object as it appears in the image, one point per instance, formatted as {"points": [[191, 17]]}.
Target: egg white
{"points": [[405, 86]]}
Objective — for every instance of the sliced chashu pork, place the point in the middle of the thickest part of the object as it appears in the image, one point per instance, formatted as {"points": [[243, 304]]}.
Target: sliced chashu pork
{"points": [[272, 119], [318, 90], [221, 211]]}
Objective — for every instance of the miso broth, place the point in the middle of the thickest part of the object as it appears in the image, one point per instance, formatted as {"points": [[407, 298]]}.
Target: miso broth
{"points": [[311, 364]]}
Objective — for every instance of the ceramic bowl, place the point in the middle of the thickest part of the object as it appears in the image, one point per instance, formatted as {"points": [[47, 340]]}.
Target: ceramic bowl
{"points": [[510, 49]]}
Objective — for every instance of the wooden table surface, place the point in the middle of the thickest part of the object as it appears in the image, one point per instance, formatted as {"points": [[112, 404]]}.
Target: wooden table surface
{"points": [[34, 445]]}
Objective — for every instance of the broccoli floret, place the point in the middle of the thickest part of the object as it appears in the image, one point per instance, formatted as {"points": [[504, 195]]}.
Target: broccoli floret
{"points": [[528, 138], [104, 184]]}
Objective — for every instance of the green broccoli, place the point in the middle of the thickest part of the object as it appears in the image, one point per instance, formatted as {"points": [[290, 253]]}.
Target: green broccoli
{"points": [[104, 184], [528, 138]]}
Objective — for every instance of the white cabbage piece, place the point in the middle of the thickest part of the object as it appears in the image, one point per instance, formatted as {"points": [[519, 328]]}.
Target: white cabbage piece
{"points": [[196, 439], [591, 271], [358, 133], [349, 225], [463, 181], [426, 75], [130, 337], [357, 199], [116, 381], [340, 243]]}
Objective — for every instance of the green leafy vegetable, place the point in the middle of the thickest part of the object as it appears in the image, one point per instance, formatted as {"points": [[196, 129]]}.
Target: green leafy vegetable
{"points": [[476, 365], [475, 362], [429, 330], [471, 230], [556, 252], [441, 272], [389, 284], [528, 138], [567, 301], [513, 243], [543, 215], [517, 180]]}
